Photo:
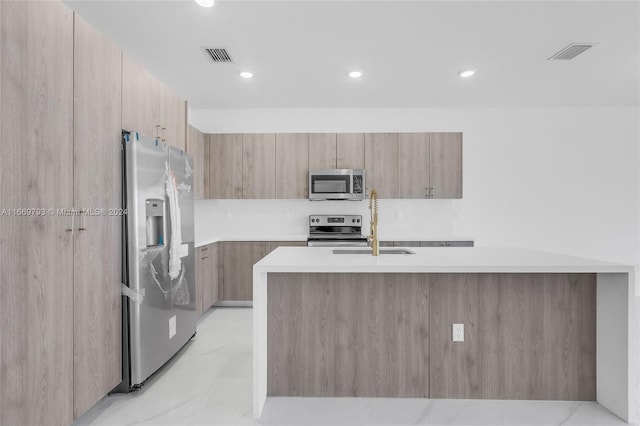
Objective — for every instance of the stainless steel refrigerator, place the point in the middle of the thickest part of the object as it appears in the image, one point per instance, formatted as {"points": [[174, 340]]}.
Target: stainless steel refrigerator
{"points": [[158, 288]]}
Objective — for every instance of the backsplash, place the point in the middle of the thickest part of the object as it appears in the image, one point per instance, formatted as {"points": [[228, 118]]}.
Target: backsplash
{"points": [[423, 218]]}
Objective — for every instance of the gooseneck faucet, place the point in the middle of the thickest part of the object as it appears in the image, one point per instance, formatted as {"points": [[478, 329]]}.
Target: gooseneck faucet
{"points": [[373, 235]]}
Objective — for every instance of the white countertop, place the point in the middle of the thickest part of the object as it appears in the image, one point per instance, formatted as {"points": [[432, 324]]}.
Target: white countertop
{"points": [[450, 259], [303, 237]]}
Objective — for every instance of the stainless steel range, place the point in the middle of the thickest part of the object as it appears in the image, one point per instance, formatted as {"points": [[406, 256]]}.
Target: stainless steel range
{"points": [[336, 231]]}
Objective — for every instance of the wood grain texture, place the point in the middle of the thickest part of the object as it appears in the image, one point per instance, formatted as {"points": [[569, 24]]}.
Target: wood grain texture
{"points": [[140, 101], [350, 150], [527, 336], [201, 277], [413, 165], [172, 111], [381, 163], [322, 151], [292, 165], [225, 166], [97, 184], [36, 254], [196, 148], [445, 174], [259, 165], [211, 279], [239, 258], [364, 335], [272, 245]]}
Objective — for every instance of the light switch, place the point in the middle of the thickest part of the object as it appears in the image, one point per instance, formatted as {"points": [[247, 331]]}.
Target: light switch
{"points": [[458, 333]]}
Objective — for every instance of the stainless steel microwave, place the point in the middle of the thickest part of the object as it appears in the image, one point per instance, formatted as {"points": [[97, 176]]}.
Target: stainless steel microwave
{"points": [[336, 184]]}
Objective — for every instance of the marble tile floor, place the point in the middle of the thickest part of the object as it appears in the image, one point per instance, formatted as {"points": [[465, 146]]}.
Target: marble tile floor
{"points": [[210, 383]]}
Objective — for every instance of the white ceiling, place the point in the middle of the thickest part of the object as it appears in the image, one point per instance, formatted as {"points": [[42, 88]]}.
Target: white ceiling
{"points": [[410, 52]]}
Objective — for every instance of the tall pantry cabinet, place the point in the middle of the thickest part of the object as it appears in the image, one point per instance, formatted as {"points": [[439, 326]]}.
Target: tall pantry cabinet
{"points": [[36, 252]]}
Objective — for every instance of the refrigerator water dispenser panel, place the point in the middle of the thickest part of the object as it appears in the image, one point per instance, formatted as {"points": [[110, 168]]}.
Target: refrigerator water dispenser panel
{"points": [[155, 222]]}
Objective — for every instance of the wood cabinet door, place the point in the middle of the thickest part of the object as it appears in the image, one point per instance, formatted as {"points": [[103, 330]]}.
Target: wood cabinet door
{"points": [[139, 98], [413, 165], [173, 116], [97, 184], [381, 163], [211, 280], [259, 165], [225, 166], [239, 258], [272, 245], [350, 150], [322, 151], [292, 165], [36, 252], [201, 274], [196, 148], [445, 173]]}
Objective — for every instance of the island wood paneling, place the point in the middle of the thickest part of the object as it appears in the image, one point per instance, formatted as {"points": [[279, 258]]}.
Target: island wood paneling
{"points": [[527, 336], [364, 335], [97, 267], [322, 151], [36, 252]]}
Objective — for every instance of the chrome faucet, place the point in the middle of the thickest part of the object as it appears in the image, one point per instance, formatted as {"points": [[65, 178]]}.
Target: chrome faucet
{"points": [[373, 235]]}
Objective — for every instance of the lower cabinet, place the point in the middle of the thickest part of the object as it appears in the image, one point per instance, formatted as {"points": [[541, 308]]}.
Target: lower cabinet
{"points": [[239, 258], [208, 276]]}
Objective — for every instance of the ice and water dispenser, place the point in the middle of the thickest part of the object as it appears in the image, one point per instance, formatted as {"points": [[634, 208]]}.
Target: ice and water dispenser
{"points": [[155, 222]]}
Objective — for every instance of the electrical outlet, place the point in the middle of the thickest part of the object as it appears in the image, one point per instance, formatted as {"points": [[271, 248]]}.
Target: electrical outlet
{"points": [[458, 333]]}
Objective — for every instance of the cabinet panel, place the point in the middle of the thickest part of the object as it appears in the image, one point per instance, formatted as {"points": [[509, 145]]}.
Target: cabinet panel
{"points": [[97, 267], [292, 165], [259, 165], [36, 252], [446, 165], [139, 98], [225, 166], [350, 150], [381, 163], [239, 258], [196, 148], [201, 277], [211, 279], [172, 116], [272, 245], [527, 336], [322, 151], [413, 165]]}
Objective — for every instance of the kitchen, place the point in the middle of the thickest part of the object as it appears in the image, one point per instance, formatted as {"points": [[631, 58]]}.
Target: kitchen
{"points": [[549, 161]]}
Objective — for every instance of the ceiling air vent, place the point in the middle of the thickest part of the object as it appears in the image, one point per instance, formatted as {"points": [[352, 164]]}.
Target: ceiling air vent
{"points": [[218, 55], [571, 51]]}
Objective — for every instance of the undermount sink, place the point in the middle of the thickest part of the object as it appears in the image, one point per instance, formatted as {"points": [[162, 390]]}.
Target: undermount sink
{"points": [[368, 251]]}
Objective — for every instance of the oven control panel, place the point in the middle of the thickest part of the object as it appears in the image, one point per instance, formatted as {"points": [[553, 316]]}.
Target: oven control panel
{"points": [[335, 220]]}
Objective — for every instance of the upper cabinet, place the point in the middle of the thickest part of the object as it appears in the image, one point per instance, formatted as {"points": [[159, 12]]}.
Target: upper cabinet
{"points": [[259, 165], [292, 161], [381, 163], [350, 151], [398, 165], [149, 107], [225, 166], [196, 148], [445, 165], [322, 151]]}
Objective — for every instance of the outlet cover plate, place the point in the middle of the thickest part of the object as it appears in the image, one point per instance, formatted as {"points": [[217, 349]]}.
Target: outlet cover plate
{"points": [[458, 333]]}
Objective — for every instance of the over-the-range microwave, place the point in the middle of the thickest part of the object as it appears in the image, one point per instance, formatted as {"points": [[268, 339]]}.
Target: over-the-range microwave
{"points": [[336, 184]]}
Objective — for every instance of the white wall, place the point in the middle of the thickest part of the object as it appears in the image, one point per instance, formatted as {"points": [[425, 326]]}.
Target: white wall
{"points": [[558, 179]]}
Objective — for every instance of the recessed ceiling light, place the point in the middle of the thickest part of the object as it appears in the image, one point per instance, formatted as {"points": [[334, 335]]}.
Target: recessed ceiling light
{"points": [[246, 74], [355, 74], [467, 73], [205, 3]]}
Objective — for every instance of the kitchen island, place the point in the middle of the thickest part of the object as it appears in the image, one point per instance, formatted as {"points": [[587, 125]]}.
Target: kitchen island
{"points": [[537, 325]]}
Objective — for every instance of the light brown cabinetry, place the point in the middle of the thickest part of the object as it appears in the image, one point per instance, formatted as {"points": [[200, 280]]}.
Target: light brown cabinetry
{"points": [[381, 163], [259, 165], [272, 245], [149, 107], [225, 166], [196, 148], [97, 239], [445, 172], [322, 151], [208, 276], [350, 151], [413, 165], [292, 165], [36, 252], [239, 258]]}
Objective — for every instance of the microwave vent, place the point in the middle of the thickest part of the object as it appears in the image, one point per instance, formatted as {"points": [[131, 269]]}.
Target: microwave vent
{"points": [[571, 51], [218, 54]]}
